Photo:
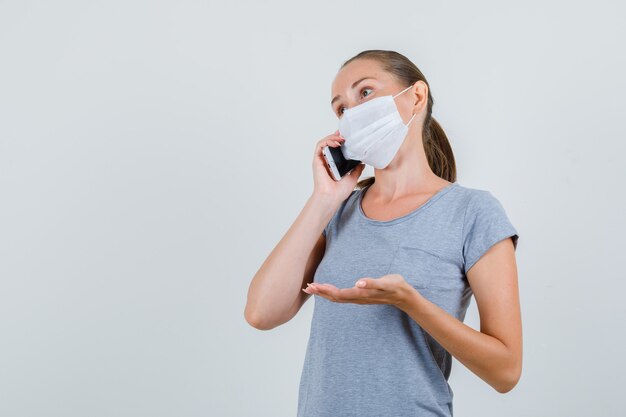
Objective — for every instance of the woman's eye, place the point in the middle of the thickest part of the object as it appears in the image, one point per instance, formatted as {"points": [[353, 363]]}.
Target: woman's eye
{"points": [[339, 110]]}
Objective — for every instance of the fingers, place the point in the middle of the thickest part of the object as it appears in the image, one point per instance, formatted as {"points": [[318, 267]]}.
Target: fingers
{"points": [[369, 283], [347, 295], [330, 140]]}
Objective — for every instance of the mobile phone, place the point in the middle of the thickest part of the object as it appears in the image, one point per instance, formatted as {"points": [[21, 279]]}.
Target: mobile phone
{"points": [[337, 164]]}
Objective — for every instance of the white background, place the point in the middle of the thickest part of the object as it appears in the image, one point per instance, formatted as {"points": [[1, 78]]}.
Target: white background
{"points": [[152, 153]]}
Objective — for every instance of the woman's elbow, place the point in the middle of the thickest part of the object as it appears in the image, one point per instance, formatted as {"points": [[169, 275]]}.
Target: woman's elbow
{"points": [[255, 320], [259, 322], [509, 380]]}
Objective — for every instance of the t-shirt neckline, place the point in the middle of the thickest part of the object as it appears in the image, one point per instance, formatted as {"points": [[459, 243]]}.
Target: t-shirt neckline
{"points": [[427, 203]]}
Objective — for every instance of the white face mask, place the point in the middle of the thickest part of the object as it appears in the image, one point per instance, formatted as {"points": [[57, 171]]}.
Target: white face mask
{"points": [[373, 131]]}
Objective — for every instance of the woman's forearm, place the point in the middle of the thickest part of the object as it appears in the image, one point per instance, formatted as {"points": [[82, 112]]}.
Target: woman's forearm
{"points": [[484, 355], [278, 282]]}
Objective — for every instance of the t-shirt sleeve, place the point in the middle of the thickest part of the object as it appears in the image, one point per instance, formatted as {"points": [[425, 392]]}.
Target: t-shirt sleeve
{"points": [[485, 224], [337, 212], [325, 231]]}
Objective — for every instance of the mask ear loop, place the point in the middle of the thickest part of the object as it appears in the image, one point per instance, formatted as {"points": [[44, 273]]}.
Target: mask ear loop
{"points": [[410, 120], [403, 91]]}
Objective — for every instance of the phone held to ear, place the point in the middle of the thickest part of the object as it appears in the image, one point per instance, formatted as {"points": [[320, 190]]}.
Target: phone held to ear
{"points": [[337, 164]]}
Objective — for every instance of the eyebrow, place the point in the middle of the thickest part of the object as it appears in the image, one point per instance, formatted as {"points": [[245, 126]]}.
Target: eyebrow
{"points": [[352, 86]]}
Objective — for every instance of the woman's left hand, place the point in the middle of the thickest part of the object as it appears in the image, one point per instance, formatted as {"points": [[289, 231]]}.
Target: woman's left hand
{"points": [[388, 289]]}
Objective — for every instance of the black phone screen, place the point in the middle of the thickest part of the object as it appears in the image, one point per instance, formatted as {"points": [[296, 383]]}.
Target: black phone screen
{"points": [[343, 165]]}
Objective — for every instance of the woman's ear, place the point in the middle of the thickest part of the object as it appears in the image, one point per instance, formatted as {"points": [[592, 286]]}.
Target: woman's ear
{"points": [[420, 94]]}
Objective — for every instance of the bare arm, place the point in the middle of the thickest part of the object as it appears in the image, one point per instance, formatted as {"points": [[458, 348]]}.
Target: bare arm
{"points": [[495, 352], [275, 294]]}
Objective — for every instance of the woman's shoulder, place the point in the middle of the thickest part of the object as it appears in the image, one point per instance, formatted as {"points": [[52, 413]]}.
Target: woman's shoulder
{"points": [[351, 197], [470, 203], [484, 210], [474, 196], [485, 222]]}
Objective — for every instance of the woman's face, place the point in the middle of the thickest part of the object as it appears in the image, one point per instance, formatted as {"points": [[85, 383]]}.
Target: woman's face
{"points": [[364, 79]]}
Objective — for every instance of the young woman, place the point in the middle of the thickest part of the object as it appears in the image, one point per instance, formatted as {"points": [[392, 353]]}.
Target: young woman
{"points": [[393, 260]]}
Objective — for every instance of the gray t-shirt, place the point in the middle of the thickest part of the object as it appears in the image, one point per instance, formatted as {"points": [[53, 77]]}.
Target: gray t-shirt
{"points": [[374, 360]]}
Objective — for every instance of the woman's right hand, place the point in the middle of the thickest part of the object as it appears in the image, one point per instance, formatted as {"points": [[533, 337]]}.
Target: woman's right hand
{"points": [[323, 182]]}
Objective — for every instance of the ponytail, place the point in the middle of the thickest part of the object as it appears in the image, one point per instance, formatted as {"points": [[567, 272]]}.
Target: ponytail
{"points": [[438, 151]]}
